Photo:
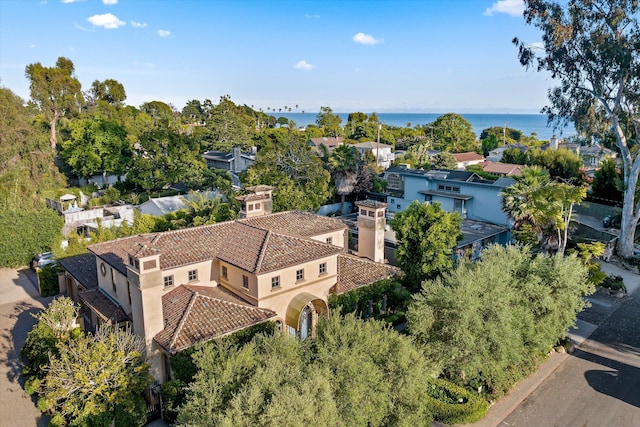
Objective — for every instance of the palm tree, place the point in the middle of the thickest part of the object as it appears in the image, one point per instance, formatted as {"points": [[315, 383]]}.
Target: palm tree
{"points": [[541, 208], [344, 162]]}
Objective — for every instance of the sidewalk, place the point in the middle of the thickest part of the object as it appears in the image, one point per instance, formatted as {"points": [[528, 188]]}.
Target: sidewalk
{"points": [[508, 403]]}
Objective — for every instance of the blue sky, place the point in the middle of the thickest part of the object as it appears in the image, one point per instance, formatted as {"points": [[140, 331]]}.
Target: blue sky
{"points": [[431, 56]]}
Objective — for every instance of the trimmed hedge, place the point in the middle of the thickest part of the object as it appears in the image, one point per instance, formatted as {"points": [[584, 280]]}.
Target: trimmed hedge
{"points": [[452, 404], [48, 277], [27, 233]]}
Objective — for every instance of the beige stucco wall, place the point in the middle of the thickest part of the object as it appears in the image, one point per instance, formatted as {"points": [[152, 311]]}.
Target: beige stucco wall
{"points": [[315, 284], [206, 275], [121, 293], [338, 238]]}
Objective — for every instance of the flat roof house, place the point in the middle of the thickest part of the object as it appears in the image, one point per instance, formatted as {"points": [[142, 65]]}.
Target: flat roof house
{"points": [[178, 288]]}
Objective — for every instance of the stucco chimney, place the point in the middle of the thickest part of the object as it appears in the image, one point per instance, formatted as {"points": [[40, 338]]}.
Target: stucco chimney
{"points": [[371, 228]]}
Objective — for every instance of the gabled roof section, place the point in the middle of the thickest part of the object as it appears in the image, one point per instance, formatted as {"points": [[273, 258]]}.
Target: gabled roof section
{"points": [[82, 268], [468, 156], [355, 272], [199, 313], [296, 223], [103, 305], [259, 251]]}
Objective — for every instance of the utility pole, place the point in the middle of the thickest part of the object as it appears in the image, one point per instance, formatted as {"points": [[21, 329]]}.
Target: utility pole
{"points": [[378, 146]]}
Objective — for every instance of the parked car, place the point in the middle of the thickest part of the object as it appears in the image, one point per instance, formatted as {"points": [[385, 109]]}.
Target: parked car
{"points": [[40, 260]]}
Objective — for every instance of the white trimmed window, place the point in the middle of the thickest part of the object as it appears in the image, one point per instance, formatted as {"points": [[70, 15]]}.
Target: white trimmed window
{"points": [[275, 282], [300, 275], [323, 268], [168, 280], [330, 240], [193, 275]]}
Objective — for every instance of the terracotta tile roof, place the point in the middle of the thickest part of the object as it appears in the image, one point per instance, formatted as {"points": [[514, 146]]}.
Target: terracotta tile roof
{"points": [[355, 272], [101, 304], [469, 156], [502, 168], [296, 223], [199, 313], [82, 268], [369, 203], [238, 238], [259, 251]]}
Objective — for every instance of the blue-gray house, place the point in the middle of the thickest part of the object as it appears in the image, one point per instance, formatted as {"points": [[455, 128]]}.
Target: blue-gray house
{"points": [[476, 199]]}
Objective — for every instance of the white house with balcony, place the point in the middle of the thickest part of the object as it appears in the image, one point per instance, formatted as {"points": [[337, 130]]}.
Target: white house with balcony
{"points": [[382, 152]]}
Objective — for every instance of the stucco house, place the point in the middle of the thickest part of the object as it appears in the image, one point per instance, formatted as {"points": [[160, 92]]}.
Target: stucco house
{"points": [[178, 288], [382, 152], [502, 169], [234, 162], [330, 142], [467, 159]]}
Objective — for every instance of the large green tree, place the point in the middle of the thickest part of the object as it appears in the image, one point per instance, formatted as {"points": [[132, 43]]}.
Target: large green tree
{"points": [[228, 126], [329, 122], [451, 132], [27, 169], [96, 144], [109, 91], [287, 163], [591, 48], [56, 91], [487, 323], [607, 182], [427, 236]]}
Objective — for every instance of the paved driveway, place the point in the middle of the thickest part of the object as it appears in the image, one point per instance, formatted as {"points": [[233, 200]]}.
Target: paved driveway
{"points": [[18, 300]]}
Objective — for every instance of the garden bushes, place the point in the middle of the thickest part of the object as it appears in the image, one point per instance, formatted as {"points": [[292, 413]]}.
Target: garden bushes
{"points": [[452, 404]]}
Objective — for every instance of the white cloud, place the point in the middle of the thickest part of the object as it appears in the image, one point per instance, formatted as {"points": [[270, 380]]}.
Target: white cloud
{"points": [[110, 2], [138, 24], [144, 64], [32, 46], [71, 1], [363, 38], [108, 21], [311, 16], [510, 7], [164, 33], [304, 65]]}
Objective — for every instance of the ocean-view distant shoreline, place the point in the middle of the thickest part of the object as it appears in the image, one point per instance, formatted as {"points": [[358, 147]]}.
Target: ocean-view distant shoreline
{"points": [[527, 123]]}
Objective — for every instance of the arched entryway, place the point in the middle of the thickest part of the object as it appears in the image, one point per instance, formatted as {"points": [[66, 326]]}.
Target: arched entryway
{"points": [[302, 315]]}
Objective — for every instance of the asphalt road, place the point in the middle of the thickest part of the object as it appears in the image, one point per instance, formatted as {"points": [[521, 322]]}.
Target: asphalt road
{"points": [[18, 300], [599, 384]]}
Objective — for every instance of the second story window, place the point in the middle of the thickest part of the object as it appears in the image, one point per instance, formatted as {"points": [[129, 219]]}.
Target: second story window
{"points": [[193, 275], [330, 240], [225, 272], [113, 281], [300, 275], [168, 280], [323, 268], [275, 282], [245, 282]]}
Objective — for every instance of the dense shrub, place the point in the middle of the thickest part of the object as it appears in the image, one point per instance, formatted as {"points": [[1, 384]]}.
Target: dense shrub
{"points": [[27, 233], [451, 404], [357, 301], [48, 278]]}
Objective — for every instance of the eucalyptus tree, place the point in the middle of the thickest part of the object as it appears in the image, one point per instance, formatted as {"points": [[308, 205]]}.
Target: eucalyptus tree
{"points": [[56, 91], [110, 91], [591, 48]]}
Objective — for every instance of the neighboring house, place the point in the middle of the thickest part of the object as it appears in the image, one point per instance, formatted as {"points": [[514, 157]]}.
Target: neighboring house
{"points": [[77, 219], [161, 206], [464, 192], [467, 159], [502, 169], [178, 288], [382, 152], [477, 200], [235, 162], [593, 155], [495, 155], [330, 142]]}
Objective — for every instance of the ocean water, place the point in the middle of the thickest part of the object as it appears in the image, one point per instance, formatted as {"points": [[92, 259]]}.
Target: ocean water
{"points": [[527, 123]]}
